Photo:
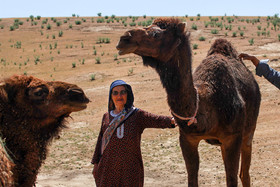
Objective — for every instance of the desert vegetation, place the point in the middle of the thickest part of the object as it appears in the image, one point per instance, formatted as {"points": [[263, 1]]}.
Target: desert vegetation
{"points": [[44, 48]]}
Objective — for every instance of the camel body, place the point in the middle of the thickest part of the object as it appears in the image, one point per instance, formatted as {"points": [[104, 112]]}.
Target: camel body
{"points": [[222, 91]]}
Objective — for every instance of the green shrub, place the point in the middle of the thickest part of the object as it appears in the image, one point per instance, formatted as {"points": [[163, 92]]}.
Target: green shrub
{"points": [[60, 33], [115, 57], [132, 24], [18, 45], [241, 33], [73, 65], [78, 22], [195, 46], [98, 61], [194, 26], [12, 28], [214, 31], [92, 77], [234, 34], [201, 38], [251, 41], [49, 27]]}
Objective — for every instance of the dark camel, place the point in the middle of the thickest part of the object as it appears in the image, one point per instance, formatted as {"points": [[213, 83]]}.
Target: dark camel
{"points": [[32, 113], [218, 103]]}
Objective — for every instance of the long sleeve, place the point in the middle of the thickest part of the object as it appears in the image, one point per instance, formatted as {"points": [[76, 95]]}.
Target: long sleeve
{"points": [[149, 120], [269, 73]]}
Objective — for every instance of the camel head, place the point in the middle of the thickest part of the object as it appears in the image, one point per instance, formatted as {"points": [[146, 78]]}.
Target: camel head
{"points": [[41, 99], [159, 40]]}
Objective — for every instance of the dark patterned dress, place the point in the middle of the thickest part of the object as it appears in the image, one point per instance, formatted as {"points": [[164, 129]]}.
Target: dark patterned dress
{"points": [[121, 163]]}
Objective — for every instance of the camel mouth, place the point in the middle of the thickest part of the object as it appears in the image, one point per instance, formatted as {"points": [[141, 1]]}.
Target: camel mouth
{"points": [[126, 51]]}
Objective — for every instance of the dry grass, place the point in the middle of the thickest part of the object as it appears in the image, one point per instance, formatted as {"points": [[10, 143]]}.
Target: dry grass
{"points": [[68, 162]]}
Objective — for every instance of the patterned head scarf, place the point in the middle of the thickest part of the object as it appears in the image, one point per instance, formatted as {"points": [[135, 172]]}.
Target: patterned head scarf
{"points": [[130, 97]]}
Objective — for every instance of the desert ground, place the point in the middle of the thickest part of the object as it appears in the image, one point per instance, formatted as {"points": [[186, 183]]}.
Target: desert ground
{"points": [[82, 51]]}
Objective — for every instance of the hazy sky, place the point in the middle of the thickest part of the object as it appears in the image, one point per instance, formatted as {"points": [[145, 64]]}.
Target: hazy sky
{"points": [[88, 8]]}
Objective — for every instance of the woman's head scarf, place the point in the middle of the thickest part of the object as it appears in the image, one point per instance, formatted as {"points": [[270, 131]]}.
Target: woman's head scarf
{"points": [[130, 97]]}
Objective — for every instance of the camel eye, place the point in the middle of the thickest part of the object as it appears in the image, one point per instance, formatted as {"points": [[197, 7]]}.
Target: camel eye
{"points": [[125, 38], [156, 34], [38, 94]]}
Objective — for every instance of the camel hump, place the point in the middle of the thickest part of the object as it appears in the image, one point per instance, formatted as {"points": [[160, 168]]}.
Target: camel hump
{"points": [[223, 47]]}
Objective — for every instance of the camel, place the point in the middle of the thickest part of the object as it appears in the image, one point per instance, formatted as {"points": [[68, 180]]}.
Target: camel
{"points": [[32, 113], [218, 103]]}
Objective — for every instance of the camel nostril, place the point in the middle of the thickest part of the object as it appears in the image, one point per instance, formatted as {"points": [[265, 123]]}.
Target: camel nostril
{"points": [[77, 95]]}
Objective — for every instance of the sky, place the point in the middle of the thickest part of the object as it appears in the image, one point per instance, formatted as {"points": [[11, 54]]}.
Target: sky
{"points": [[91, 8]]}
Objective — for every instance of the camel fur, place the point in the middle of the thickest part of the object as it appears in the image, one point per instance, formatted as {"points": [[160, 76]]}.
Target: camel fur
{"points": [[222, 91], [32, 113]]}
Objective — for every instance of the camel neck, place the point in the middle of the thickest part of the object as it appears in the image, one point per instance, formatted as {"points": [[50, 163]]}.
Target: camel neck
{"points": [[181, 93]]}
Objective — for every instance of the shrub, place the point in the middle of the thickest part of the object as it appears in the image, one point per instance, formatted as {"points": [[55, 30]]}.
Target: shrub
{"points": [[251, 41], [100, 20], [241, 33], [45, 21], [278, 37], [78, 22], [60, 33], [12, 28], [195, 46], [36, 60], [73, 65], [18, 45], [132, 24], [234, 34], [130, 71], [201, 38], [194, 26], [98, 60], [92, 77], [103, 40], [115, 57], [49, 27], [214, 31]]}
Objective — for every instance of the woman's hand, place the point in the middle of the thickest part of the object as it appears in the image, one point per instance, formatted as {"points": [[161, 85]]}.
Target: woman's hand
{"points": [[173, 122]]}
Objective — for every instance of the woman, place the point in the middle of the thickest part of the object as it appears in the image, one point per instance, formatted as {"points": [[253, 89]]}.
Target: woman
{"points": [[263, 69], [117, 158]]}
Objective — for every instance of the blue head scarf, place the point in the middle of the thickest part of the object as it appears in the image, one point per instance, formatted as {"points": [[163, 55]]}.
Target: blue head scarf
{"points": [[130, 97]]}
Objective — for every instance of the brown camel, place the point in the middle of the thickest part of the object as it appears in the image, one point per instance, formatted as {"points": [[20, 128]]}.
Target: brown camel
{"points": [[32, 113], [218, 103]]}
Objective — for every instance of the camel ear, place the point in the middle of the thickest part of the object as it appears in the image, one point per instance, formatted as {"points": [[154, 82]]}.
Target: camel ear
{"points": [[3, 93], [2, 84], [9, 91], [181, 28]]}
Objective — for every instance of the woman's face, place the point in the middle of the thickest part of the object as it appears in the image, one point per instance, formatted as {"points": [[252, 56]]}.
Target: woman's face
{"points": [[119, 96]]}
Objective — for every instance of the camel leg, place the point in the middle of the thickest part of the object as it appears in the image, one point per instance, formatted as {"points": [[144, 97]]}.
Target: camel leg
{"points": [[231, 154], [191, 157], [246, 154]]}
